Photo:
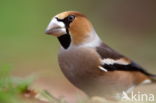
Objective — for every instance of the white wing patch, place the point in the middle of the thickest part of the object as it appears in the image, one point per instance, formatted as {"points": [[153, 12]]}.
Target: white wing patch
{"points": [[112, 61], [109, 61]]}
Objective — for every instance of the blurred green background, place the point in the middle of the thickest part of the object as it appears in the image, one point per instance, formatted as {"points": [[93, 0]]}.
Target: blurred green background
{"points": [[128, 26]]}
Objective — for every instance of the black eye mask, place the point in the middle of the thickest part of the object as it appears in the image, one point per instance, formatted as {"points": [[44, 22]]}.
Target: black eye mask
{"points": [[67, 20]]}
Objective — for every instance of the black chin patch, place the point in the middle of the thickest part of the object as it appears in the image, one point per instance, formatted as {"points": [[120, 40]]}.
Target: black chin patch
{"points": [[65, 40]]}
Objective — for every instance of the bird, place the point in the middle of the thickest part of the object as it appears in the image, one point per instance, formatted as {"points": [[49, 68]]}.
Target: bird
{"points": [[90, 64]]}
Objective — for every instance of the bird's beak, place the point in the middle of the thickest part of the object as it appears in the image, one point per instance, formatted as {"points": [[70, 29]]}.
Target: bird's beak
{"points": [[56, 28]]}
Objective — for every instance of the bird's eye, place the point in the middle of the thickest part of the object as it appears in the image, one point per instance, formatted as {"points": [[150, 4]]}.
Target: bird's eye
{"points": [[71, 18]]}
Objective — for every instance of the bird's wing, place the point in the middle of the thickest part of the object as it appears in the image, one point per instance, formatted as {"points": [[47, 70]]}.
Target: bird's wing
{"points": [[112, 60]]}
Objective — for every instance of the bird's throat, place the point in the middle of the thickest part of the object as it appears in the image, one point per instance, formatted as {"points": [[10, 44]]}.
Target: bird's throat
{"points": [[65, 40]]}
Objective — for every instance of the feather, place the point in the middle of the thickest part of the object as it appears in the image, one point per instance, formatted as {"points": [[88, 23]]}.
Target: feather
{"points": [[112, 60]]}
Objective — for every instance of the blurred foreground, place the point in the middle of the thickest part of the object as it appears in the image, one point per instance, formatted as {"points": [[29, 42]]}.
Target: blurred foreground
{"points": [[24, 90]]}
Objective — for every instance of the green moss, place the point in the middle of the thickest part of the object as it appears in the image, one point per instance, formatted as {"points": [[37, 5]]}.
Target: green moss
{"points": [[11, 87]]}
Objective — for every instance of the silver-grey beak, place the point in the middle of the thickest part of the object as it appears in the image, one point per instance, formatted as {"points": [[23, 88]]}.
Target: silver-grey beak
{"points": [[56, 28]]}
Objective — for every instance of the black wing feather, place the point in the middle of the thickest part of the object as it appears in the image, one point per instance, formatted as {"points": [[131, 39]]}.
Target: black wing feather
{"points": [[130, 67]]}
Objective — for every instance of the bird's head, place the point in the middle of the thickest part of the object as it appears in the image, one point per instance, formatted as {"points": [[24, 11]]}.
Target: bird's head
{"points": [[71, 28]]}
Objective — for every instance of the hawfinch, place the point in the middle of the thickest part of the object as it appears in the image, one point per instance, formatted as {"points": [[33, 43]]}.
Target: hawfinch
{"points": [[88, 63]]}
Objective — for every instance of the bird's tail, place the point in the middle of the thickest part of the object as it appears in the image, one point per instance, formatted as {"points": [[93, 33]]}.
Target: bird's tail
{"points": [[153, 78]]}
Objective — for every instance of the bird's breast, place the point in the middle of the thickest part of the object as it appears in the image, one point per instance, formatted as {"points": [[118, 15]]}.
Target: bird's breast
{"points": [[79, 64]]}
